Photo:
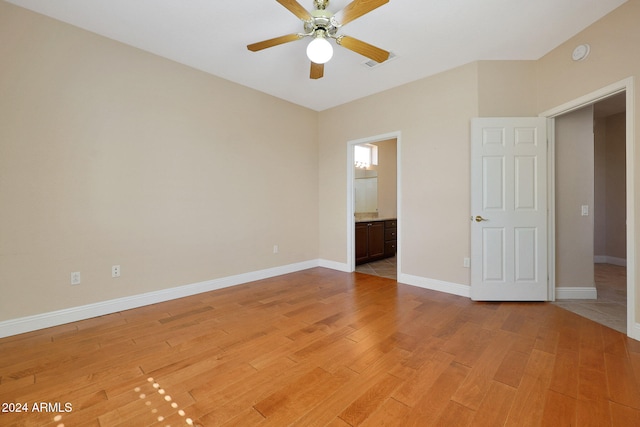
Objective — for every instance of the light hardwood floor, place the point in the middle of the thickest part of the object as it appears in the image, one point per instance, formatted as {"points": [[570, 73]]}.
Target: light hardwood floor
{"points": [[321, 347]]}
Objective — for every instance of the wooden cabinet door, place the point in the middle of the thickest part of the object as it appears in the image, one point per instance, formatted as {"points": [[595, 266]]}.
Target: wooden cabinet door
{"points": [[376, 239], [362, 242]]}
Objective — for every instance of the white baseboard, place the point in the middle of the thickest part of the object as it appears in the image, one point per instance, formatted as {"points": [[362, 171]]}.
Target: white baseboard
{"points": [[334, 265], [634, 331], [605, 259], [576, 293], [435, 285], [73, 314]]}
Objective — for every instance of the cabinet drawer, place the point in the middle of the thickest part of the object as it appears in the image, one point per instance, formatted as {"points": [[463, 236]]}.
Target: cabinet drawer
{"points": [[390, 234], [391, 223], [390, 248]]}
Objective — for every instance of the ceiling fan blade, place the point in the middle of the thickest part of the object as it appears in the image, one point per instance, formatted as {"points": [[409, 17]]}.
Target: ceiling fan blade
{"points": [[273, 42], [365, 49], [356, 9], [317, 70], [296, 8]]}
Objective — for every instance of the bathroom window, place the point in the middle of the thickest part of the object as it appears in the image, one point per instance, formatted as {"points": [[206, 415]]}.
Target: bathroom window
{"points": [[365, 155]]}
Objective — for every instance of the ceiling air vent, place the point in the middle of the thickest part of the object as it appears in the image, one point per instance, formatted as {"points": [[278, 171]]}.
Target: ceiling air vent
{"points": [[374, 64]]}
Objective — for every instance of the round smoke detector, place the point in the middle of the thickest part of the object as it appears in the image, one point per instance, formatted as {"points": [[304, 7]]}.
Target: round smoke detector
{"points": [[581, 52]]}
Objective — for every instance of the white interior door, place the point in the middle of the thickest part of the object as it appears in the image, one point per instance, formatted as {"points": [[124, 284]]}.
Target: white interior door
{"points": [[509, 209]]}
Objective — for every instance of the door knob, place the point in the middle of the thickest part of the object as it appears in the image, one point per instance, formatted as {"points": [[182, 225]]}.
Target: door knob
{"points": [[478, 218]]}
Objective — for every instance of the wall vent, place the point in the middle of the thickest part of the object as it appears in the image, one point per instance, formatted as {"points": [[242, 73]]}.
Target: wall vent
{"points": [[373, 64]]}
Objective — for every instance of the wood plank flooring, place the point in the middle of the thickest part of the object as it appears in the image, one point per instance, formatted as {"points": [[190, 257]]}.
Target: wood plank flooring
{"points": [[323, 348]]}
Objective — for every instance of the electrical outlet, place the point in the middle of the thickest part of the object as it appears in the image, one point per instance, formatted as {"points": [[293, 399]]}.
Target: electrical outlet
{"points": [[275, 249], [115, 271], [75, 278], [466, 263]]}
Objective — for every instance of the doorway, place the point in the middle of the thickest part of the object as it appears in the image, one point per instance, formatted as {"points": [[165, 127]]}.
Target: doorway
{"points": [[557, 291], [591, 210], [373, 197]]}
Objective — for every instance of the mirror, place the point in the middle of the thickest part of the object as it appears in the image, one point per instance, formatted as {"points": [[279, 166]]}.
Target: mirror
{"points": [[366, 191]]}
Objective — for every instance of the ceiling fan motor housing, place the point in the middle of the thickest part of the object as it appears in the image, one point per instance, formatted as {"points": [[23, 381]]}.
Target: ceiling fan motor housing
{"points": [[321, 20]]}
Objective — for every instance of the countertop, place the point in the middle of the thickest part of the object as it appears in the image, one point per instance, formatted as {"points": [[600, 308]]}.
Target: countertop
{"points": [[369, 219]]}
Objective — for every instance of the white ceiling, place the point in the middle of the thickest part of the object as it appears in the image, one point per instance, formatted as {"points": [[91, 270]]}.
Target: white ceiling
{"points": [[428, 36]]}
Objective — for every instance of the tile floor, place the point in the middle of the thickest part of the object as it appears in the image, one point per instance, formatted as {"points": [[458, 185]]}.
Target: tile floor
{"points": [[610, 309], [384, 268]]}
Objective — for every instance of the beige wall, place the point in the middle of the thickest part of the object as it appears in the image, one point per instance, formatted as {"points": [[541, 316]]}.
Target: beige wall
{"points": [[610, 188], [616, 241], [507, 89], [433, 116], [108, 152], [110, 155], [574, 178], [600, 186]]}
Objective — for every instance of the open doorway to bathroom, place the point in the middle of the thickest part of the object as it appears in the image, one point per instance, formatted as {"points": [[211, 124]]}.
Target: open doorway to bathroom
{"points": [[375, 208]]}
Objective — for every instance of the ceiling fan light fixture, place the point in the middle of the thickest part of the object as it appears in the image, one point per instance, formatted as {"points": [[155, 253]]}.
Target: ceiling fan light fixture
{"points": [[319, 50], [321, 25]]}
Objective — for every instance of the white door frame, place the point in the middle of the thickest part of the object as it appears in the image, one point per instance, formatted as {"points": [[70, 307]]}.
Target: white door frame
{"points": [[351, 263], [626, 85]]}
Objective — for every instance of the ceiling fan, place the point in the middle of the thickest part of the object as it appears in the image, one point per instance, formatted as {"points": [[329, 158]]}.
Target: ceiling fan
{"points": [[321, 24]]}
